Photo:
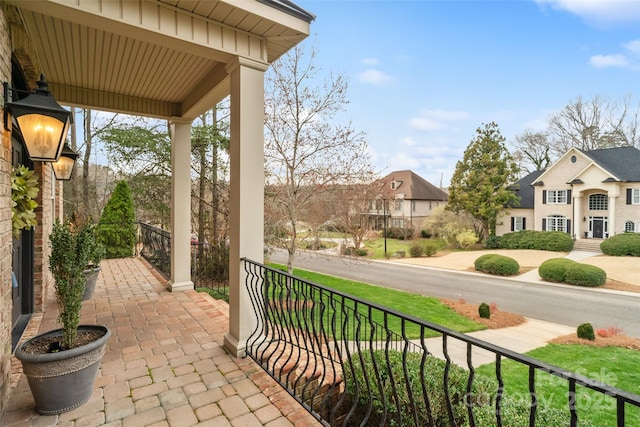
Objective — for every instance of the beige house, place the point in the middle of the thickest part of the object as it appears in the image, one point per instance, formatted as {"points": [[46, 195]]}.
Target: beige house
{"points": [[588, 194], [408, 200], [168, 59]]}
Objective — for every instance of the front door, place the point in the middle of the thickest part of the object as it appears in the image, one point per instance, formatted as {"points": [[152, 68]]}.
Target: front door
{"points": [[598, 228]]}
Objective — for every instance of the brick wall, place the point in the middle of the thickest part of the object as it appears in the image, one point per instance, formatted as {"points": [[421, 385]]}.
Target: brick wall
{"points": [[5, 227]]}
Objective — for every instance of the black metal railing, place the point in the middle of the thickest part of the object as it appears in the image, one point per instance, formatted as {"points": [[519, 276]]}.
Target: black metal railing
{"points": [[209, 262], [155, 246], [350, 362]]}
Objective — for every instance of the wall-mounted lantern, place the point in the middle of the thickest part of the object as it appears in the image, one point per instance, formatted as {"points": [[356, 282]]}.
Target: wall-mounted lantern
{"points": [[63, 168], [42, 121]]}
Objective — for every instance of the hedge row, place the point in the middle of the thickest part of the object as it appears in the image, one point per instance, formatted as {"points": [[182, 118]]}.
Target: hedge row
{"points": [[572, 272], [541, 240], [499, 265], [627, 244]]}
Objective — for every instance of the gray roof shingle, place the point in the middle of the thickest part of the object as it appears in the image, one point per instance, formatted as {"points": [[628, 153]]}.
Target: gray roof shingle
{"points": [[623, 162]]}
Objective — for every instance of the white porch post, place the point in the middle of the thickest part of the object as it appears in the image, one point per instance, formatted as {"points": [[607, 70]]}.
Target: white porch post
{"points": [[246, 205], [612, 215], [578, 231], [180, 205]]}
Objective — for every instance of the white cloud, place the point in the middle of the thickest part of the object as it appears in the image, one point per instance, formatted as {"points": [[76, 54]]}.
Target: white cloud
{"points": [[603, 61], [430, 120], [374, 77], [633, 46], [370, 61], [629, 60], [599, 12]]}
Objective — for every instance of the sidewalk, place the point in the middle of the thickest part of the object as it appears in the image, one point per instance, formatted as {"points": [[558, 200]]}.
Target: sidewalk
{"points": [[164, 365], [521, 339]]}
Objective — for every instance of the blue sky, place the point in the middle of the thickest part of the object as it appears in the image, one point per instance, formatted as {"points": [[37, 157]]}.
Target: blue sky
{"points": [[425, 74]]}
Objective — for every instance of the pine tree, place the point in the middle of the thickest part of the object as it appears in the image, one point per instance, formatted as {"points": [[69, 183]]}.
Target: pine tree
{"points": [[116, 228], [480, 183]]}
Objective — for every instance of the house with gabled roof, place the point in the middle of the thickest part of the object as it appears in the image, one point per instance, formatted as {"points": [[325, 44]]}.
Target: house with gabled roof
{"points": [[407, 201], [588, 194]]}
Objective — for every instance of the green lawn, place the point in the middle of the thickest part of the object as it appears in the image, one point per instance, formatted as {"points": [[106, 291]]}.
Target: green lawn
{"points": [[425, 308], [614, 366]]}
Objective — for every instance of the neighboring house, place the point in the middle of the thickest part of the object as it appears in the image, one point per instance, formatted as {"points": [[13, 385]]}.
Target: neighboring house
{"points": [[588, 194], [407, 201]]}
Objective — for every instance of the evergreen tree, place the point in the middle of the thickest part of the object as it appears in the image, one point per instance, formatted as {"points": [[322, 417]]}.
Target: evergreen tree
{"points": [[116, 228], [480, 183]]}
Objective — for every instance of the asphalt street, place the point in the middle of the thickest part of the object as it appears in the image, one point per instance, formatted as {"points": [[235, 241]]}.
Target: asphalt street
{"points": [[567, 305]]}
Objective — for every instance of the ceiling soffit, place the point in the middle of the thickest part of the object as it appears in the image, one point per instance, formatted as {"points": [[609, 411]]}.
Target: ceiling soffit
{"points": [[152, 58]]}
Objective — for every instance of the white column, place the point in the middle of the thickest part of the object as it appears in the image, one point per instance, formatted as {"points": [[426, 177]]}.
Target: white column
{"points": [[577, 219], [180, 205], [246, 205], [612, 215]]}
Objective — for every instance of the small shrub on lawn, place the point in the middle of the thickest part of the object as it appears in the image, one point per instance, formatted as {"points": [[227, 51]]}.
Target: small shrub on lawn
{"points": [[540, 240], [585, 331], [484, 311], [467, 239], [627, 244], [585, 275], [361, 252], [426, 234], [431, 248], [555, 269], [416, 250], [499, 265]]}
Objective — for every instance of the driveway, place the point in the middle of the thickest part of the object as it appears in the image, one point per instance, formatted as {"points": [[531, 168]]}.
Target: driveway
{"points": [[621, 269]]}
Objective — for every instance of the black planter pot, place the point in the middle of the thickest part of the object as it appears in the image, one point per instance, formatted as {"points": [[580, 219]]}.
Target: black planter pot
{"points": [[92, 278], [64, 380]]}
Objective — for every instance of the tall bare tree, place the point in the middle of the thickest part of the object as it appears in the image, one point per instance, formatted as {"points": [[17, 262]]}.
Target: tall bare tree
{"points": [[308, 149], [594, 124], [532, 151]]}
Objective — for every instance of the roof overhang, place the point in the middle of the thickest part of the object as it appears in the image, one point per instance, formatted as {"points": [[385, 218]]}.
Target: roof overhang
{"points": [[156, 58]]}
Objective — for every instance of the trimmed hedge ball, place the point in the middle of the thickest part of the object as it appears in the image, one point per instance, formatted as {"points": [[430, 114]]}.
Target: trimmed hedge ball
{"points": [[499, 265]]}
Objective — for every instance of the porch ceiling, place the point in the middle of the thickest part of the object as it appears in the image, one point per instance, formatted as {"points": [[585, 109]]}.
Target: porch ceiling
{"points": [[158, 58]]}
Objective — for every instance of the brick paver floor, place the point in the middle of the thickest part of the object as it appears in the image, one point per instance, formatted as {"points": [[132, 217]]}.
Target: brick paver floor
{"points": [[164, 364]]}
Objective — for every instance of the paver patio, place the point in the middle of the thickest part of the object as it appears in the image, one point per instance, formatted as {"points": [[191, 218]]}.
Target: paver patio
{"points": [[164, 364]]}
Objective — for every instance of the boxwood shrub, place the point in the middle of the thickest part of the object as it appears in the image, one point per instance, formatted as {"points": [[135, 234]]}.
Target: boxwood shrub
{"points": [[627, 244], [499, 265], [540, 240], [572, 272], [585, 275], [555, 269]]}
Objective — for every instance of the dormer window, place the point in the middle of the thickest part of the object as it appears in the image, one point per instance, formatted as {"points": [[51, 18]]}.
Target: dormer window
{"points": [[395, 184]]}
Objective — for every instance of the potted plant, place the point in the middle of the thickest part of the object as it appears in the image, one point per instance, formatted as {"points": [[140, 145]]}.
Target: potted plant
{"points": [[96, 255], [62, 365]]}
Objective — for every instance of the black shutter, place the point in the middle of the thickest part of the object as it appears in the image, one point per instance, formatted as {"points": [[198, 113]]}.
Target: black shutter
{"points": [[569, 226], [568, 197], [628, 196], [544, 224], [524, 223], [513, 224], [544, 197]]}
